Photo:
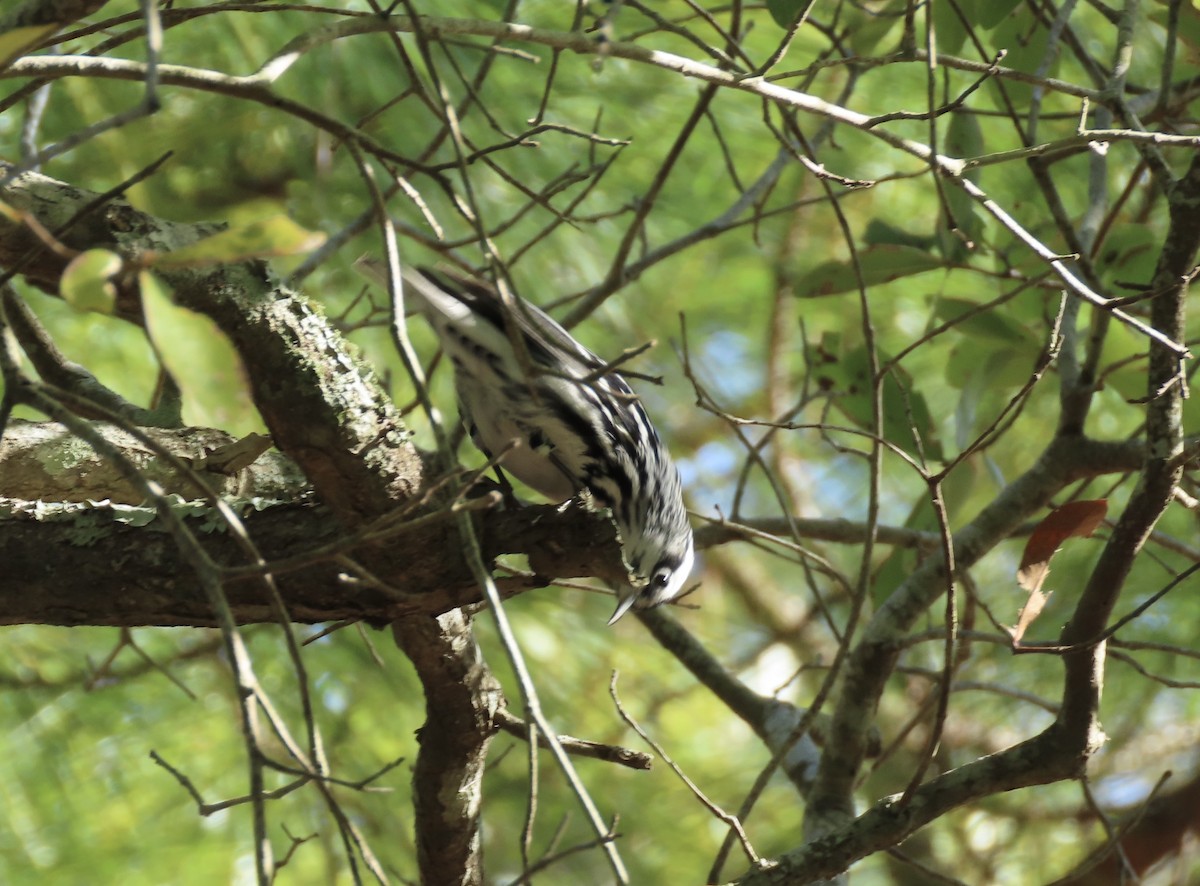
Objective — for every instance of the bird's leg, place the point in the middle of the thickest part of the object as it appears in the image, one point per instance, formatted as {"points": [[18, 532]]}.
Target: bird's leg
{"points": [[506, 488]]}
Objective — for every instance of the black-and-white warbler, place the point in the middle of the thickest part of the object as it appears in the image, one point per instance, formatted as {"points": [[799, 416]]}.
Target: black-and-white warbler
{"points": [[579, 426]]}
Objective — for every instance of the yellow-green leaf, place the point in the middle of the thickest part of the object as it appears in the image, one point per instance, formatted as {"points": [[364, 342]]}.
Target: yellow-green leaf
{"points": [[14, 43], [86, 283], [201, 359], [262, 238]]}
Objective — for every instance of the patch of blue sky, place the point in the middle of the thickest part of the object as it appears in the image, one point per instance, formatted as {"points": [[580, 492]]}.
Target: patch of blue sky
{"points": [[710, 477], [728, 368]]}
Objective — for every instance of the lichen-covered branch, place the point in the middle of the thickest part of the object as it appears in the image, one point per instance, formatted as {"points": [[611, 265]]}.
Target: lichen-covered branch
{"points": [[461, 700]]}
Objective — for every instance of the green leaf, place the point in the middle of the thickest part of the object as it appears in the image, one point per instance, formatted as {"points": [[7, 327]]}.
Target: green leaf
{"points": [[785, 11], [962, 223], [964, 138], [262, 238], [1187, 30], [990, 14], [201, 360], [965, 481], [86, 283], [1129, 256], [14, 43], [1026, 50], [881, 233], [872, 27], [951, 35], [906, 414], [879, 264], [1124, 366], [897, 566], [991, 324]]}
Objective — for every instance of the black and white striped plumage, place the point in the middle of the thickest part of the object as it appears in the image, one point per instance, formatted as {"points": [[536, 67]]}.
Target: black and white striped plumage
{"points": [[579, 428]]}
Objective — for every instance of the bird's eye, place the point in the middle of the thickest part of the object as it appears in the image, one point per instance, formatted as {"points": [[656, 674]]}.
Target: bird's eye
{"points": [[659, 580]]}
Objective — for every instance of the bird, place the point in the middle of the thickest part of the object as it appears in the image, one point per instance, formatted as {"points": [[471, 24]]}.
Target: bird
{"points": [[520, 376]]}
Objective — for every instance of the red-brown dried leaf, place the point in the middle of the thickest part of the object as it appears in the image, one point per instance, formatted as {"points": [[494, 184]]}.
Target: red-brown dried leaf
{"points": [[1077, 519], [1031, 610]]}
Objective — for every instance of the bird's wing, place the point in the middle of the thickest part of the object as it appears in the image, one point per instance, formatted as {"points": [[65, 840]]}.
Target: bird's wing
{"points": [[548, 343]]}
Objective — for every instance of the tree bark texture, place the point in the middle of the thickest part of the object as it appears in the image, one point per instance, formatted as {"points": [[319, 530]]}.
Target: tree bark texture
{"points": [[346, 482]]}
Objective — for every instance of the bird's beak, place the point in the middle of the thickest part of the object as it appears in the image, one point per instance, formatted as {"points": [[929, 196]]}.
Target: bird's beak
{"points": [[622, 608]]}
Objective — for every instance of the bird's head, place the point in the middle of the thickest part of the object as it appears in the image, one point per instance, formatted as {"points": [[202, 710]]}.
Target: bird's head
{"points": [[659, 566]]}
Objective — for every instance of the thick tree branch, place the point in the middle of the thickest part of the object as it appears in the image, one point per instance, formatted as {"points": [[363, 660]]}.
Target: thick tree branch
{"points": [[461, 701], [41, 461], [873, 659], [329, 415], [1163, 466], [110, 564]]}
